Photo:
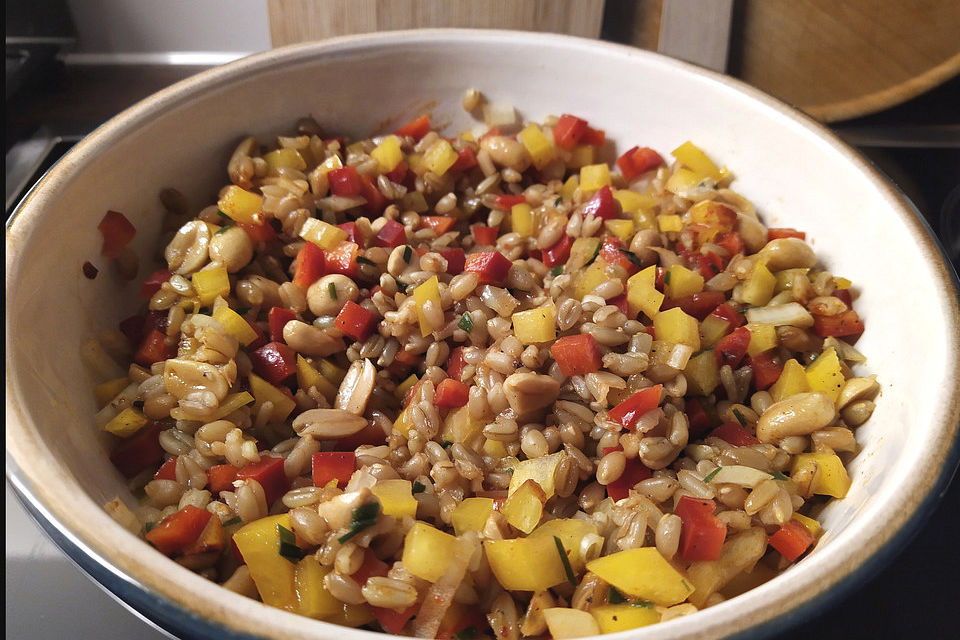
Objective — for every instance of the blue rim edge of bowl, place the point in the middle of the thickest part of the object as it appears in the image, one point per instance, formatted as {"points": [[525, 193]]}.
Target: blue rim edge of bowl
{"points": [[169, 617]]}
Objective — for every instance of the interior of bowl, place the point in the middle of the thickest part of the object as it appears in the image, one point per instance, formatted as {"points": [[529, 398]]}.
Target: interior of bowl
{"points": [[796, 174]]}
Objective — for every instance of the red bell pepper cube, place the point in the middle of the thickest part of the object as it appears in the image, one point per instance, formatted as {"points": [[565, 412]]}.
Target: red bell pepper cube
{"points": [[344, 181], [484, 235], [700, 421], [168, 470], [612, 252], [847, 323], [620, 302], [134, 328], [258, 232], [398, 173], [775, 233], [391, 235], [456, 260], [734, 434], [699, 305], [602, 205], [179, 530], [416, 128], [733, 317], [451, 394], [274, 362], [766, 369], [355, 321], [844, 295], [341, 259], [411, 393], [627, 412], [333, 465], [706, 264], [466, 160], [220, 477], [117, 233], [439, 224], [270, 474], [152, 349], [792, 540], [404, 360], [732, 348], [376, 201], [278, 319], [701, 533], [569, 130], [634, 472], [153, 282], [456, 363], [372, 566], [309, 265], [559, 253], [659, 279], [140, 451], [638, 160], [594, 137], [492, 267], [353, 235], [394, 621], [212, 538], [577, 355], [506, 201], [370, 434], [261, 339], [731, 241]]}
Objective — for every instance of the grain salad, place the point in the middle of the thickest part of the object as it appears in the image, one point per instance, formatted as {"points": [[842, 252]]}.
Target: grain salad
{"points": [[493, 385]]}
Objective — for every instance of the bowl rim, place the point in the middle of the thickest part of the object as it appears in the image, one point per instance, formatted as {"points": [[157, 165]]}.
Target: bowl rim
{"points": [[149, 601]]}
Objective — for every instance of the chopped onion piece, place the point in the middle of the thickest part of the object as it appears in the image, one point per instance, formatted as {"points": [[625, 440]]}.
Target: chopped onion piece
{"points": [[340, 203], [791, 313], [499, 114], [844, 349], [740, 475]]}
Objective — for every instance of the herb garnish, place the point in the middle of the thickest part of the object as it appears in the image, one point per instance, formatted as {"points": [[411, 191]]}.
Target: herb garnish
{"points": [[615, 597], [223, 229], [446, 443], [467, 634], [572, 579], [709, 476], [242, 311], [288, 545], [407, 253], [418, 487], [666, 277], [233, 520], [557, 202], [332, 288], [631, 256], [557, 270], [401, 287], [466, 323], [777, 475], [147, 528], [739, 417], [368, 261], [363, 517], [224, 216], [596, 252]]}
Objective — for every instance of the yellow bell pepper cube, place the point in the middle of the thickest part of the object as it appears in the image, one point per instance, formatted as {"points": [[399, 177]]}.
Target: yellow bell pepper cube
{"points": [[812, 525], [673, 325], [623, 229], [621, 617], [427, 551], [331, 163], [428, 291], [591, 278], [535, 326], [263, 392], [569, 188], [495, 449], [439, 157], [792, 381], [235, 325], [406, 385], [763, 337], [104, 392], [824, 374], [785, 278], [322, 234], [211, 284], [542, 470], [414, 201], [460, 426], [388, 154], [331, 372], [841, 283], [525, 564], [670, 223], [231, 403], [680, 282], [258, 542], [283, 158], [582, 156], [523, 508], [126, 423], [571, 532], [403, 423], [308, 376], [682, 181], [594, 177], [692, 157], [539, 147], [240, 205], [643, 573], [563, 623], [642, 295], [396, 497], [471, 514], [581, 252], [702, 373], [314, 601], [831, 477], [631, 201], [758, 287], [712, 329], [523, 219]]}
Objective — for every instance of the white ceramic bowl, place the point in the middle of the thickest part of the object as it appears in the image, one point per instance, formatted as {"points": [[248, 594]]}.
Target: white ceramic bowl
{"points": [[796, 172]]}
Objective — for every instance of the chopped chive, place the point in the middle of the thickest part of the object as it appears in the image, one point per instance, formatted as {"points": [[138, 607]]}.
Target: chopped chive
{"points": [[557, 270], [332, 288], [418, 487], [147, 528], [779, 476], [466, 323], [631, 256], [363, 260], [643, 604], [288, 545], [233, 520], [467, 634], [557, 202], [509, 469], [363, 517], [223, 215], [710, 475], [739, 417], [701, 351], [242, 311], [407, 253], [401, 287], [666, 278], [596, 252], [204, 311], [446, 443], [572, 579], [615, 597], [223, 229]]}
